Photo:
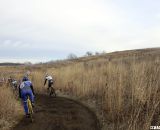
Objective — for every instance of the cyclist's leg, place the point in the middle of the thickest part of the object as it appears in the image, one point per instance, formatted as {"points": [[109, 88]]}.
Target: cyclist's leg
{"points": [[50, 88], [31, 96], [52, 85], [24, 99], [54, 92], [49, 85]]}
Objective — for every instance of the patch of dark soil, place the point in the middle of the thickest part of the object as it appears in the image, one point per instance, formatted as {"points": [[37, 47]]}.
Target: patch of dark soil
{"points": [[59, 114]]}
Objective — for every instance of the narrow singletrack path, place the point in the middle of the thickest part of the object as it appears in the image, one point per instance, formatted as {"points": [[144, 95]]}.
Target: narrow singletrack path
{"points": [[59, 114]]}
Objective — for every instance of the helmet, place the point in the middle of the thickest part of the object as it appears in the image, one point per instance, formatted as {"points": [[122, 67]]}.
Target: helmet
{"points": [[25, 78]]}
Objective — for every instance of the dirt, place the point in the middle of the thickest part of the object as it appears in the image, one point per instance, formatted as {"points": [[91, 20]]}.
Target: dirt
{"points": [[59, 113]]}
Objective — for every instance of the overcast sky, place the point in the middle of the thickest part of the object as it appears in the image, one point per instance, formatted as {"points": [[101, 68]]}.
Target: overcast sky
{"points": [[42, 30]]}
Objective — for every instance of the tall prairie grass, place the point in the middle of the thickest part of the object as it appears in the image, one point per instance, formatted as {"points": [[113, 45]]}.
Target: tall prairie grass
{"points": [[37, 77], [10, 109], [127, 91]]}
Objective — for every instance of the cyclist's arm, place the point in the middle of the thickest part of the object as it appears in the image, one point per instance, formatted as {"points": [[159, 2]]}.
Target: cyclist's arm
{"points": [[32, 89]]}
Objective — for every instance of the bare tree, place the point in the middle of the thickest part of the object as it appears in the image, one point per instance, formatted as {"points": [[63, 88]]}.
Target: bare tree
{"points": [[88, 53], [71, 56], [97, 53]]}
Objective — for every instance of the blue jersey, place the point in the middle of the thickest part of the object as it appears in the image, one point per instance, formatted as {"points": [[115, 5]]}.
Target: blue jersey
{"points": [[24, 86]]}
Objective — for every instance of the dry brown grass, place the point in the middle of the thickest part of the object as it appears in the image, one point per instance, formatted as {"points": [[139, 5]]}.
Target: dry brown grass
{"points": [[10, 109], [38, 78], [124, 87], [127, 91]]}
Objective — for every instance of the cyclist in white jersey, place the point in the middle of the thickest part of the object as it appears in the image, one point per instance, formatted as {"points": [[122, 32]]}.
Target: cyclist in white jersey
{"points": [[50, 81]]}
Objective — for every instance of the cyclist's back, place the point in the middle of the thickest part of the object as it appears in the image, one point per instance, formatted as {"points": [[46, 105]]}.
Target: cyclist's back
{"points": [[14, 84], [49, 79]]}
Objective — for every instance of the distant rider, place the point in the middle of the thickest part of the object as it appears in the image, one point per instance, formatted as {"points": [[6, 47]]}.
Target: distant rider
{"points": [[26, 89], [14, 84], [50, 81]]}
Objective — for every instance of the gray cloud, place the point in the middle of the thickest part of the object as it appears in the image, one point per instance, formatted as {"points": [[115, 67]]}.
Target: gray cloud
{"points": [[57, 28]]}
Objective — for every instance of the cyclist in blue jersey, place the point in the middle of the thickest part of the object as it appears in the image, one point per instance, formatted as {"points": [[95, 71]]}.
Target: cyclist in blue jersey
{"points": [[26, 89]]}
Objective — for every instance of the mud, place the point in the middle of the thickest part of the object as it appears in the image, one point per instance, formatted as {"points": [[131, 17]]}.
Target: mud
{"points": [[59, 114]]}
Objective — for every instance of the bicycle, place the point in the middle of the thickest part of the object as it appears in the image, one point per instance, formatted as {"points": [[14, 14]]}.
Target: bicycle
{"points": [[52, 92], [30, 108]]}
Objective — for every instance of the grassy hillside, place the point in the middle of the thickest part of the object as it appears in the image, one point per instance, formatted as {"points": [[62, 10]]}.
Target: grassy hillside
{"points": [[122, 87], [139, 54]]}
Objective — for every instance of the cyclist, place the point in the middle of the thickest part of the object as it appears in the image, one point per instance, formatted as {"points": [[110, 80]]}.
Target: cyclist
{"points": [[50, 81], [14, 84], [26, 89]]}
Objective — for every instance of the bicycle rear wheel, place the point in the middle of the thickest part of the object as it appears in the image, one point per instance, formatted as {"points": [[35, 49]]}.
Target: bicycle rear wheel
{"points": [[52, 92], [30, 109]]}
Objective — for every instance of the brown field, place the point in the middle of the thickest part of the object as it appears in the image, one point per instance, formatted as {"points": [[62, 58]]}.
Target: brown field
{"points": [[123, 88]]}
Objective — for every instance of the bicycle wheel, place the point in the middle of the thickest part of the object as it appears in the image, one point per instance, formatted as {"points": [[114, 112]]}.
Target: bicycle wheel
{"points": [[53, 92], [30, 109], [50, 91]]}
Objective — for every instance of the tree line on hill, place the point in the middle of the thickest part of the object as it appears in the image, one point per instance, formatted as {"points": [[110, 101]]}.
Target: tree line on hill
{"points": [[88, 53]]}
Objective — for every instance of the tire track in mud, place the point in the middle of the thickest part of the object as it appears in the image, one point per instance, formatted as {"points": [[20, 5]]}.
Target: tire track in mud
{"points": [[59, 114]]}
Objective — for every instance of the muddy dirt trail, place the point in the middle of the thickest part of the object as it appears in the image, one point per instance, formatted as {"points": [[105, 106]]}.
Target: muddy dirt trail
{"points": [[59, 114]]}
